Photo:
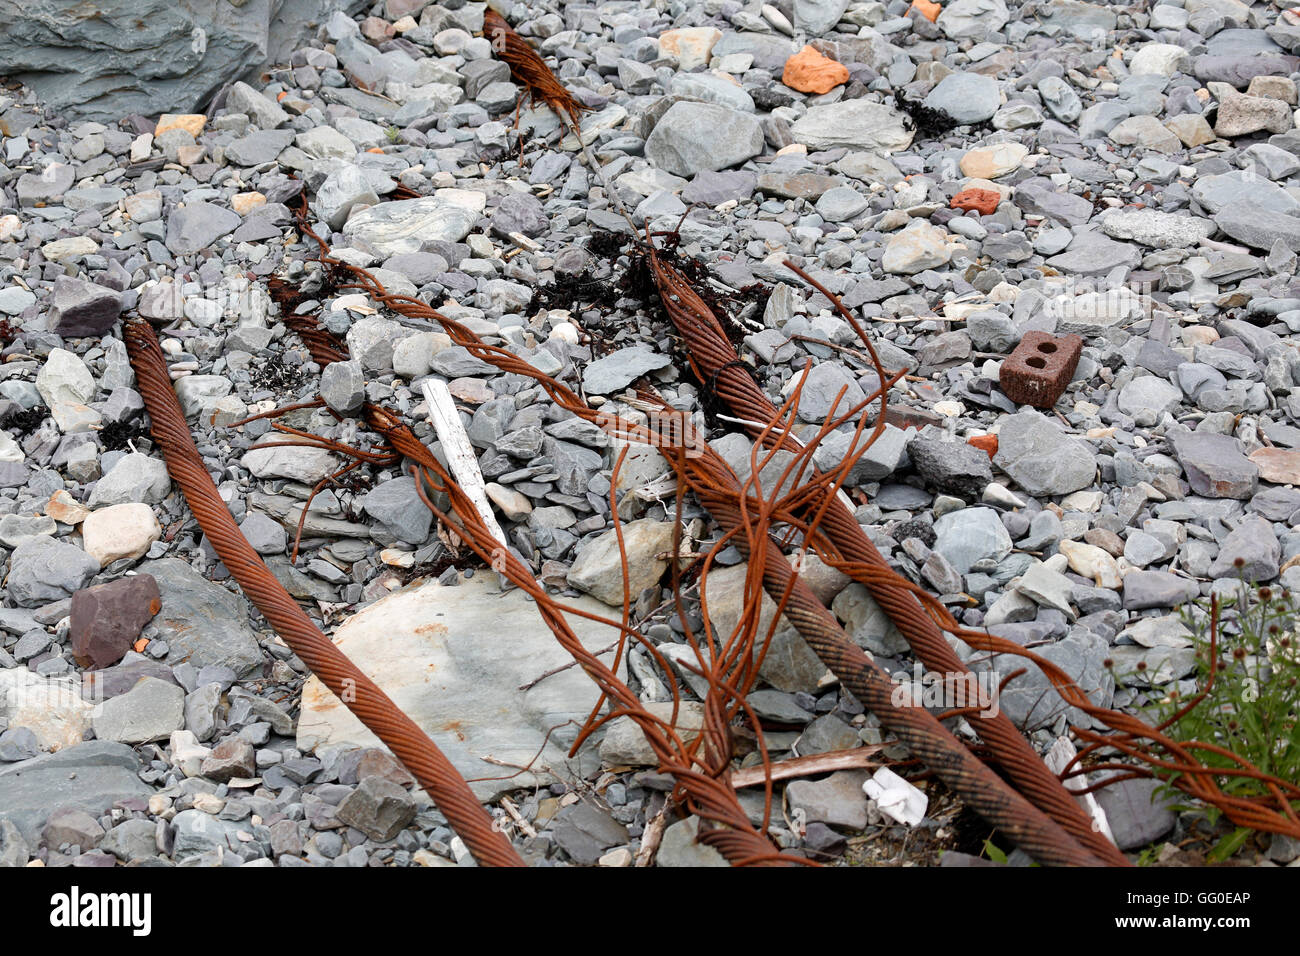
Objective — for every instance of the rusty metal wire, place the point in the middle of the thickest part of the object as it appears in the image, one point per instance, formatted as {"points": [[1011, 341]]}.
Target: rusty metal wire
{"points": [[362, 696], [922, 620], [699, 766], [718, 489], [828, 528], [531, 70], [713, 359]]}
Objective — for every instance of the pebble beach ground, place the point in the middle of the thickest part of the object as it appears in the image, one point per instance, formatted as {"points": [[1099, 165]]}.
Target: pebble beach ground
{"points": [[959, 175]]}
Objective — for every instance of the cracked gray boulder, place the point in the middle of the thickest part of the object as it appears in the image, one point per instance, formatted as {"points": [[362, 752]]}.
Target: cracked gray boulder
{"points": [[105, 60]]}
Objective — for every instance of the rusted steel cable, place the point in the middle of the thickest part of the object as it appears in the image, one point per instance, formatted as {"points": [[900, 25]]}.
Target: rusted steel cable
{"points": [[708, 796], [923, 631], [975, 782], [362, 696], [714, 359]]}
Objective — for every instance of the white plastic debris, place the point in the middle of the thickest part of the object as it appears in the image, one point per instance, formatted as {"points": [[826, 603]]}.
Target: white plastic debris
{"points": [[896, 798], [1058, 757]]}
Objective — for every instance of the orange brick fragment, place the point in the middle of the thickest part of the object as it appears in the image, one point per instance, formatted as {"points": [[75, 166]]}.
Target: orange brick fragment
{"points": [[810, 72], [140, 645], [983, 201], [927, 9], [985, 443]]}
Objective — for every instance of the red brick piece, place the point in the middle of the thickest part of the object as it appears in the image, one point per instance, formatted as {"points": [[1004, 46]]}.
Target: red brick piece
{"points": [[982, 200], [985, 443], [1040, 368]]}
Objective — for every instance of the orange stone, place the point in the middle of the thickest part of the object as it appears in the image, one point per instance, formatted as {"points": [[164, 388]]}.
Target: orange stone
{"points": [[1280, 466], [985, 443], [810, 72], [927, 9], [983, 201], [192, 123], [64, 508], [244, 203]]}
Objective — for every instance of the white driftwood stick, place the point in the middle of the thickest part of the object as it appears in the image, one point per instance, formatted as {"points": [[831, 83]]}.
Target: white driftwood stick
{"points": [[460, 453]]}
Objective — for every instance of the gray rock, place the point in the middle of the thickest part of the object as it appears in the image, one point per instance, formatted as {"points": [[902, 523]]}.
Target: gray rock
{"points": [[197, 225], [816, 17], [343, 387], [837, 801], [49, 184], [519, 212], [14, 850], [1215, 465], [1258, 227], [201, 710], [954, 468], [881, 458], [598, 571], [1242, 187], [265, 534], [680, 846], [1059, 97], [258, 147], [841, 204], [586, 832], [1029, 700], [1256, 546], [149, 56], [397, 504], [853, 124], [692, 137], [972, 19], [1137, 814], [969, 535], [477, 684], [790, 664], [866, 622], [1034, 451], [14, 300], [347, 186], [201, 621], [1144, 589], [261, 109], [1160, 230], [1147, 397], [42, 570], [92, 776], [79, 308], [271, 458], [199, 833], [378, 808], [967, 97], [614, 371], [131, 841], [71, 825], [404, 226], [150, 710], [992, 331], [1091, 253], [18, 743]]}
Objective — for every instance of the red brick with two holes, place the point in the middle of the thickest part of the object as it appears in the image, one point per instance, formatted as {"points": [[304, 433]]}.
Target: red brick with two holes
{"points": [[1040, 368]]}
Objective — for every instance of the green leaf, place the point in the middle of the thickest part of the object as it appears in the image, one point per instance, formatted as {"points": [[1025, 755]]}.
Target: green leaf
{"points": [[1229, 845], [993, 853]]}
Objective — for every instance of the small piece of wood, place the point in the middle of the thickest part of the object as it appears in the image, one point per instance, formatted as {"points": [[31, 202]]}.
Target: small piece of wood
{"points": [[856, 759], [460, 453]]}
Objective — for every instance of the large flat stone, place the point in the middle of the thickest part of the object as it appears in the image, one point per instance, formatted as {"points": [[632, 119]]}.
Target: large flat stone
{"points": [[453, 659], [202, 622], [92, 776]]}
